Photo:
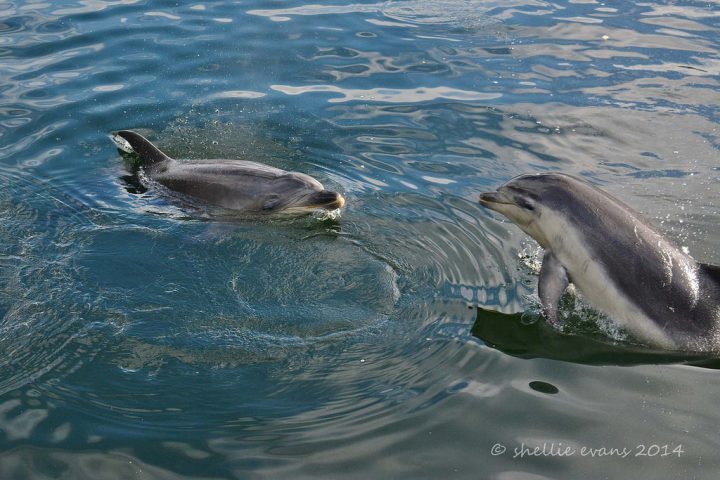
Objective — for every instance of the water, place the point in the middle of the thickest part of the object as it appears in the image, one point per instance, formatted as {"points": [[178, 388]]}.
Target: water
{"points": [[144, 338]]}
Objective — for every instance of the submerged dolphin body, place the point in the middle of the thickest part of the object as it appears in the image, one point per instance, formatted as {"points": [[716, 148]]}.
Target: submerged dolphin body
{"points": [[620, 263], [234, 184]]}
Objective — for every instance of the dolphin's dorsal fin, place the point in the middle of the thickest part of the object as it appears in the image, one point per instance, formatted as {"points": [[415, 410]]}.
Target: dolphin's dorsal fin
{"points": [[147, 152], [712, 271]]}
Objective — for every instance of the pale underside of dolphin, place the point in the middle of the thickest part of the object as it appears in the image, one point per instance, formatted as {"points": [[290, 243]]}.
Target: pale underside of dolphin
{"points": [[245, 186], [621, 264]]}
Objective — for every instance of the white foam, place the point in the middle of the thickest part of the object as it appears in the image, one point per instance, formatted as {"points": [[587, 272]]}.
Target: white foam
{"points": [[322, 214]]}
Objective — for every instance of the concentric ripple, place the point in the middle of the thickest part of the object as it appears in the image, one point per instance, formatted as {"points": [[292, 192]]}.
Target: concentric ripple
{"points": [[41, 301]]}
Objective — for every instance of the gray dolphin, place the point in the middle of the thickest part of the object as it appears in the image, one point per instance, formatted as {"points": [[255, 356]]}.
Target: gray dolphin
{"points": [[620, 263], [235, 184]]}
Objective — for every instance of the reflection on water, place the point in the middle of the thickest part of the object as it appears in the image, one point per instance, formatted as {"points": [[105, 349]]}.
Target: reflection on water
{"points": [[142, 337], [514, 335], [389, 95]]}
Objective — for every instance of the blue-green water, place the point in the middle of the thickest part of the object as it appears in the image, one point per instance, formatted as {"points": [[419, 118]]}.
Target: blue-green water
{"points": [[142, 338]]}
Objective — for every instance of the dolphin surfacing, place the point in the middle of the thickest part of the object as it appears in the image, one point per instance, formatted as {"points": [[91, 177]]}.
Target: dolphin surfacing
{"points": [[240, 185], [621, 264]]}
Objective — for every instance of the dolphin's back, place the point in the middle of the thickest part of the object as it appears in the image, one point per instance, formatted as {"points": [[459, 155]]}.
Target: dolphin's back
{"points": [[235, 184], [659, 278]]}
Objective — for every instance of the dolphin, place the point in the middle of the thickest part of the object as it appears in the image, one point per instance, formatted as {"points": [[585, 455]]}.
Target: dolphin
{"points": [[246, 186], [620, 263]]}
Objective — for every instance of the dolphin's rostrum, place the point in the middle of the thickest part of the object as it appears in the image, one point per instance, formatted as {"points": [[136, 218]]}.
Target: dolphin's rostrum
{"points": [[620, 263]]}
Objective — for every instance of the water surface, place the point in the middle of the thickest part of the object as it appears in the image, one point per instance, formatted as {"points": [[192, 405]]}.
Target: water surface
{"points": [[145, 338]]}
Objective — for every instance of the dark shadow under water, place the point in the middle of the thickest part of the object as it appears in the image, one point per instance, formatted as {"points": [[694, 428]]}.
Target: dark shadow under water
{"points": [[510, 334]]}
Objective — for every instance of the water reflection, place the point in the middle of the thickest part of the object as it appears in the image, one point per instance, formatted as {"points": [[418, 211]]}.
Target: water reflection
{"points": [[152, 339], [389, 95], [512, 334], [465, 14]]}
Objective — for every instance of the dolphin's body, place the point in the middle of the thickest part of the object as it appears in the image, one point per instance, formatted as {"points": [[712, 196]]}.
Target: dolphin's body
{"points": [[249, 187], [620, 263]]}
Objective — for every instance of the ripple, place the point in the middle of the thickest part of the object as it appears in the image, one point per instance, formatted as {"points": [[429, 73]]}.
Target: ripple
{"points": [[467, 14], [703, 67], [43, 463], [20, 426], [12, 149], [234, 94], [282, 14], [165, 15], [42, 299], [388, 95], [144, 332], [277, 294]]}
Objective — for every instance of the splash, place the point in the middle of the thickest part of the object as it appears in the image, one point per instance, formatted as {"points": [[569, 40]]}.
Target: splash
{"points": [[531, 256], [325, 215]]}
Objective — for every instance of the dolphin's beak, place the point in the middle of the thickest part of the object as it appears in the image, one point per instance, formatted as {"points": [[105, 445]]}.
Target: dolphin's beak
{"points": [[340, 202], [492, 199], [328, 200]]}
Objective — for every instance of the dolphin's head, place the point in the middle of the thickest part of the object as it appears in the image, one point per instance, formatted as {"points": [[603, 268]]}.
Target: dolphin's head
{"points": [[528, 199], [300, 193]]}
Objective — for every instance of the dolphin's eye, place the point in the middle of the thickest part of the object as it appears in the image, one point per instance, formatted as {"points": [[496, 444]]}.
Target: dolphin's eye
{"points": [[271, 202], [526, 203]]}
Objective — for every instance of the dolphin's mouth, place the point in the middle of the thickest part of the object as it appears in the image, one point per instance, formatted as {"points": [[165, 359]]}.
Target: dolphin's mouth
{"points": [[327, 200], [490, 199]]}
